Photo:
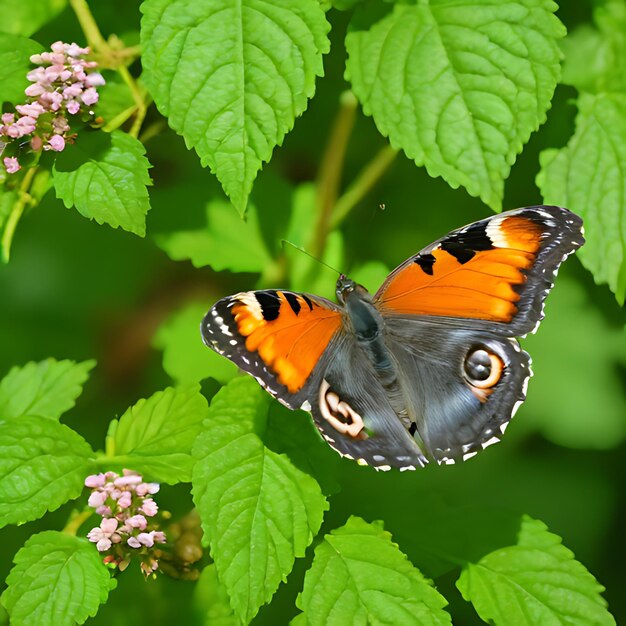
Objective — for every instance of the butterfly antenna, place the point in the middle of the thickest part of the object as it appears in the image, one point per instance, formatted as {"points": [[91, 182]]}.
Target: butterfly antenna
{"points": [[330, 267]]}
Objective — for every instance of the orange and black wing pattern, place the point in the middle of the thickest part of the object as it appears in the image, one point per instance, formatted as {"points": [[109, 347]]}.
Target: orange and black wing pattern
{"points": [[276, 336], [499, 269]]}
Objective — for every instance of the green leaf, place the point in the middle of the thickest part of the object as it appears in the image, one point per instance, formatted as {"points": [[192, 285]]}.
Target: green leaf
{"points": [[344, 5], [595, 58], [47, 389], [232, 77], [105, 177], [359, 576], [536, 581], [258, 510], [297, 437], [26, 18], [155, 435], [224, 242], [212, 600], [15, 52], [458, 85], [589, 177], [185, 357], [42, 465], [573, 378], [57, 579]]}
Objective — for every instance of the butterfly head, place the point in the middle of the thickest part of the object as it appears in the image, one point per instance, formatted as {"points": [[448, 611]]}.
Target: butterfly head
{"points": [[347, 287]]}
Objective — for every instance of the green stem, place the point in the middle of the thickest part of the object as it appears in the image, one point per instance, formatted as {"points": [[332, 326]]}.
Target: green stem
{"points": [[23, 198], [76, 521], [119, 119], [92, 33], [152, 130], [112, 57], [368, 177], [137, 97], [329, 178]]}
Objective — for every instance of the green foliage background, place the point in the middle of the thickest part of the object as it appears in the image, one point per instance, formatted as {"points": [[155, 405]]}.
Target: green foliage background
{"points": [[75, 289]]}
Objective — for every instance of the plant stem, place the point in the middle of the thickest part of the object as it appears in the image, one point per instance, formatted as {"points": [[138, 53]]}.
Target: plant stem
{"points": [[76, 521], [114, 58], [16, 213], [368, 177], [329, 178], [92, 33], [152, 130], [137, 97]]}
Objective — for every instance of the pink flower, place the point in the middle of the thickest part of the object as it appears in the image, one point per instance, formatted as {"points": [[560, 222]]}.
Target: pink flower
{"points": [[130, 479], [34, 90], [73, 107], [97, 499], [146, 539], [159, 536], [109, 525], [125, 500], [57, 143], [12, 165], [101, 536], [8, 118], [147, 488], [38, 75], [126, 528], [73, 50], [33, 110], [137, 521], [95, 79], [72, 91], [13, 131], [90, 96], [149, 507]]}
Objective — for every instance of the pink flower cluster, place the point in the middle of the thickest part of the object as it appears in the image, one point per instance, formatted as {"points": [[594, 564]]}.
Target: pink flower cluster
{"points": [[125, 505], [62, 85]]}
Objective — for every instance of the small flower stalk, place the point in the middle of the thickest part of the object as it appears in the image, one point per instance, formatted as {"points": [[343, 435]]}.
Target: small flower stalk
{"points": [[128, 528], [64, 87]]}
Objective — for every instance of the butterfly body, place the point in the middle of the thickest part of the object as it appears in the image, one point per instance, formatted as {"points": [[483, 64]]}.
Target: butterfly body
{"points": [[429, 367]]}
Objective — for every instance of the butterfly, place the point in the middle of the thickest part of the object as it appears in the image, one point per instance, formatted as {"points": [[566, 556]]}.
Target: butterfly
{"points": [[429, 367]]}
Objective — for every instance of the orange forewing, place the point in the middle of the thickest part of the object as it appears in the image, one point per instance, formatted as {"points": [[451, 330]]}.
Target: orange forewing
{"points": [[292, 344], [484, 287]]}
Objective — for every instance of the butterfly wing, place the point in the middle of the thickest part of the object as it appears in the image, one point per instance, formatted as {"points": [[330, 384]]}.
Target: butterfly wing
{"points": [[297, 347], [455, 416], [470, 293], [279, 337], [498, 270], [361, 422]]}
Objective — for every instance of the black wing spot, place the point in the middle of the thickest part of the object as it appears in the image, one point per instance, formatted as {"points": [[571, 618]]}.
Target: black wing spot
{"points": [[465, 244], [426, 262], [270, 304], [412, 429], [293, 301], [308, 301], [461, 254]]}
